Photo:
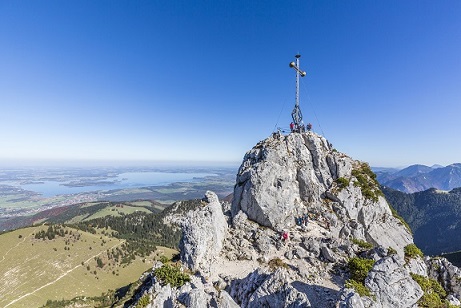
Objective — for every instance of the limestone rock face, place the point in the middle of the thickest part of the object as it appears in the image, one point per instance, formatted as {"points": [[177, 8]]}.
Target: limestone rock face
{"points": [[226, 301], [279, 174], [447, 274], [197, 298], [204, 231], [417, 266], [392, 284], [162, 296], [350, 299], [268, 290], [284, 177]]}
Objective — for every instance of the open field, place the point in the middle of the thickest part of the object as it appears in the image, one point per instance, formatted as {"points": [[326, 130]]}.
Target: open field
{"points": [[141, 203], [117, 211], [35, 270], [20, 201], [76, 213]]}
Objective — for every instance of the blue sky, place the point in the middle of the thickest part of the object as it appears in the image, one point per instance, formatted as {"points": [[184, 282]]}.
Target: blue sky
{"points": [[206, 80]]}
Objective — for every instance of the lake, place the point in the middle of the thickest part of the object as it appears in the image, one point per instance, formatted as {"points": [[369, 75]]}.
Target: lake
{"points": [[121, 181]]}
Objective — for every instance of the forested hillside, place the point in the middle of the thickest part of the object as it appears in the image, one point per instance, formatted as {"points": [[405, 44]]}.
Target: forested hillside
{"points": [[434, 217]]}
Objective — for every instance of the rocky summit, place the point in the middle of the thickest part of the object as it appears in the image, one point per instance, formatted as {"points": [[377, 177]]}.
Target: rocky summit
{"points": [[308, 227]]}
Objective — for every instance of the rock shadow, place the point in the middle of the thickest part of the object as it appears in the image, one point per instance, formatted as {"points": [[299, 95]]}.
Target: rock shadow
{"points": [[319, 296]]}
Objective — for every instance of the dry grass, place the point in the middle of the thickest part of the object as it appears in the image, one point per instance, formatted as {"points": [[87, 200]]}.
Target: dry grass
{"points": [[34, 271]]}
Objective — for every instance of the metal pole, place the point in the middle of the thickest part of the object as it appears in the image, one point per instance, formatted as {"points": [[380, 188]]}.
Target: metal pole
{"points": [[296, 113], [297, 81]]}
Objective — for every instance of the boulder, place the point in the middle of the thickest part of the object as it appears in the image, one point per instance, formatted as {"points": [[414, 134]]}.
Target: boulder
{"points": [[416, 266], [312, 245], [204, 231], [197, 298], [268, 290], [327, 254], [350, 299], [392, 284], [163, 297], [446, 273], [226, 301]]}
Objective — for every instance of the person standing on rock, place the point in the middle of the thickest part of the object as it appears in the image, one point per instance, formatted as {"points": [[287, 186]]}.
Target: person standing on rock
{"points": [[306, 219], [301, 128], [285, 236]]}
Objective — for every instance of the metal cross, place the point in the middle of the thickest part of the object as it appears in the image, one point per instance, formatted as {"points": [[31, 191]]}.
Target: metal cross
{"points": [[296, 114]]}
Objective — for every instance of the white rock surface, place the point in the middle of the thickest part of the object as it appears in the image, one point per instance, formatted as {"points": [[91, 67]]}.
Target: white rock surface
{"points": [[392, 284], [416, 266], [226, 301], [268, 290], [447, 274], [281, 179], [162, 296], [350, 299], [204, 231]]}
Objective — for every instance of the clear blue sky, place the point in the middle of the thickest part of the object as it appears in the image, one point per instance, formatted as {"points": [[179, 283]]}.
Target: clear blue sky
{"points": [[206, 80]]}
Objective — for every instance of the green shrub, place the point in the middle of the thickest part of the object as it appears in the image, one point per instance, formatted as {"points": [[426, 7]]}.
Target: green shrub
{"points": [[276, 263], [430, 300], [359, 268], [342, 182], [358, 287], [391, 251], [99, 262], [169, 274], [433, 292], [143, 301], [366, 180], [362, 243], [429, 285], [164, 259], [412, 251]]}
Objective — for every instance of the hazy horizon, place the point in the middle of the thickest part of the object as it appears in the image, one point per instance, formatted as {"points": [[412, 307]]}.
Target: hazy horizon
{"points": [[152, 164], [116, 163]]}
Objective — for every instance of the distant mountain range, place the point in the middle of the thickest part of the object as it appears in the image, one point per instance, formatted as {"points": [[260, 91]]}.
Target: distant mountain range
{"points": [[420, 177]]}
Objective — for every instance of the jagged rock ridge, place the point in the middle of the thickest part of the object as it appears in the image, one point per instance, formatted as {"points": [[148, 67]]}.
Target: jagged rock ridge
{"points": [[284, 178], [328, 205]]}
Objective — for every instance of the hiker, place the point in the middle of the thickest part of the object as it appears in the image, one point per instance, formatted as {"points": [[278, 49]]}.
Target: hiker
{"points": [[298, 221], [292, 126], [309, 126], [285, 236]]}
